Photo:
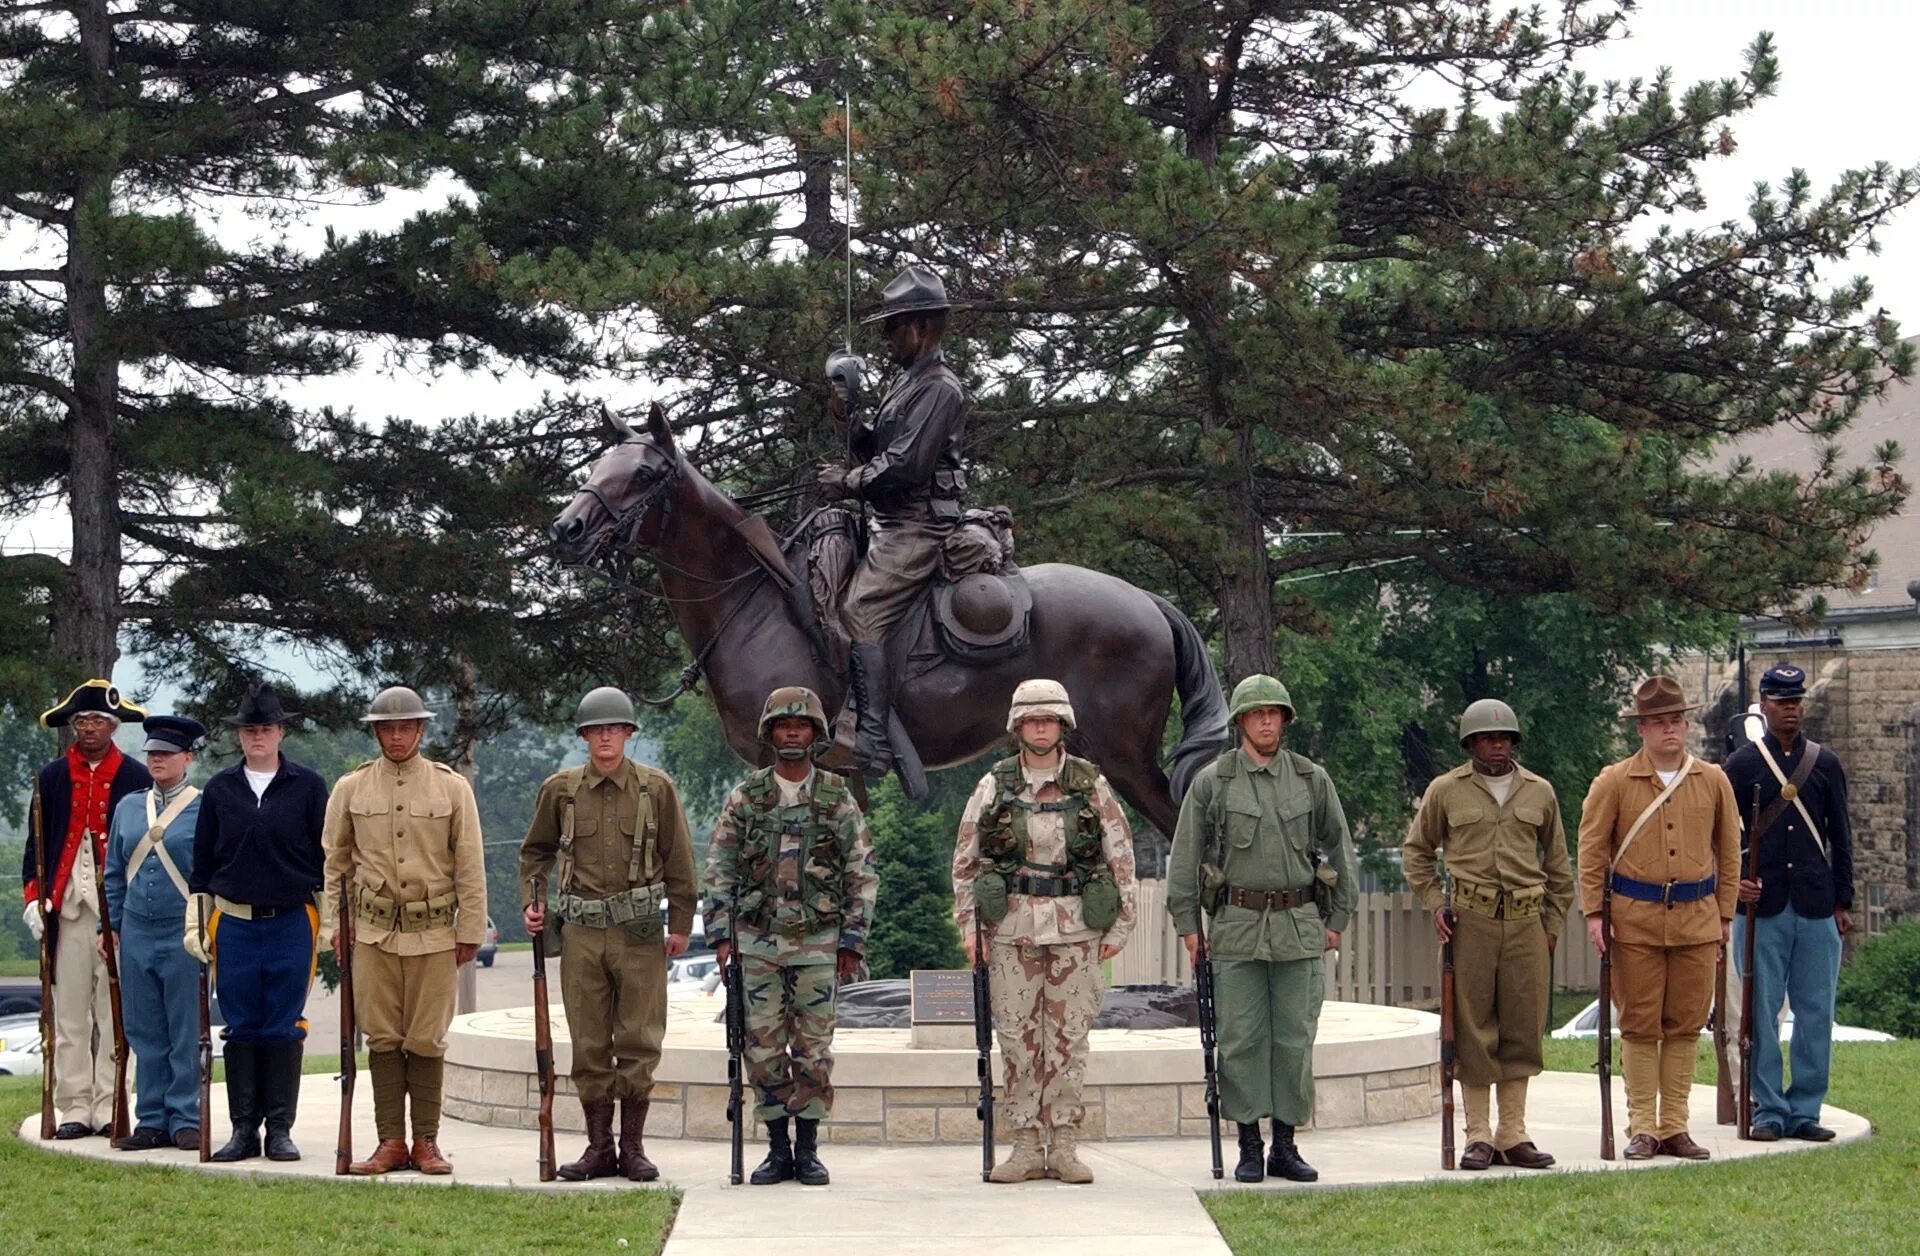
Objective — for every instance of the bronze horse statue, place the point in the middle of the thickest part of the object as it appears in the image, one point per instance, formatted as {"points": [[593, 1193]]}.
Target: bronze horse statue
{"points": [[1121, 652]]}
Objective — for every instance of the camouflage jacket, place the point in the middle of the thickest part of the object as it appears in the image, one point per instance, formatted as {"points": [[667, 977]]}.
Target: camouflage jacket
{"points": [[805, 873]]}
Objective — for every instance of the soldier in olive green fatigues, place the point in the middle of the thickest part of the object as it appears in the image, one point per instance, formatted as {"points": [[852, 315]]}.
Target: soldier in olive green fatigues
{"points": [[1262, 845], [616, 843], [1498, 827]]}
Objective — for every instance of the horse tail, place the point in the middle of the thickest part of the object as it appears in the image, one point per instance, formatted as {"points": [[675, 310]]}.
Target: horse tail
{"points": [[1203, 707]]}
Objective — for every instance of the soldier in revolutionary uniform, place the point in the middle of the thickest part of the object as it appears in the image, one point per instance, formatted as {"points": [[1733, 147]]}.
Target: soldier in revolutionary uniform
{"points": [[406, 832], [792, 845], [1045, 860], [1803, 888], [1262, 846], [256, 880], [149, 855], [909, 475], [77, 795], [618, 836], [1510, 883], [1662, 829]]}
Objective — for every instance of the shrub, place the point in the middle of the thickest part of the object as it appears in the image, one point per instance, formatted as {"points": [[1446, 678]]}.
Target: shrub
{"points": [[1880, 989]]}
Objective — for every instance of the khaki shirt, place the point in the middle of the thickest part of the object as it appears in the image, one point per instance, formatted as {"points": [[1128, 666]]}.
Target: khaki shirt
{"points": [[1696, 835], [1511, 847], [611, 814], [409, 832]]}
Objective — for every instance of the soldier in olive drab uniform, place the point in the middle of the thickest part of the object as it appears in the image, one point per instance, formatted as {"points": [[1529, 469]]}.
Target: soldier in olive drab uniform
{"points": [[1262, 845], [407, 832], [619, 837], [792, 844], [1510, 883], [1045, 861]]}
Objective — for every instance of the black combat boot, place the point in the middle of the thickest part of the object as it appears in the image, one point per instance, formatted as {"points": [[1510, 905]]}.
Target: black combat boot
{"points": [[778, 1166], [280, 1095], [1250, 1169], [873, 688], [243, 1103], [1285, 1162], [601, 1158], [806, 1153]]}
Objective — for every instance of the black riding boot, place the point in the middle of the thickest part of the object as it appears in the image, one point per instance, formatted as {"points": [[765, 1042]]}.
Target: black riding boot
{"points": [[778, 1166], [873, 688], [243, 1103], [806, 1153], [1285, 1162], [280, 1096], [1249, 1169]]}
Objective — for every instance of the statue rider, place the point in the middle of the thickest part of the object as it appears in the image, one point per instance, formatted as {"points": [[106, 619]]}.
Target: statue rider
{"points": [[907, 472]]}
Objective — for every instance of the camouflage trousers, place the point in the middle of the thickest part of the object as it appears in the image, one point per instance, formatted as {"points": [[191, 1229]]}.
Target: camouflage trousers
{"points": [[789, 1052], [1045, 999]]}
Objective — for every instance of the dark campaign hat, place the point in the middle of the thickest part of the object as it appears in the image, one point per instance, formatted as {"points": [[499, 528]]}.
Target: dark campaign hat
{"points": [[260, 706], [174, 733], [94, 697], [1658, 695], [1783, 680], [915, 290]]}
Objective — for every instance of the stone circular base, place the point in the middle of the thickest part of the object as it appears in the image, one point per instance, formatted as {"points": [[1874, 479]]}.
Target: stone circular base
{"points": [[1372, 1066]]}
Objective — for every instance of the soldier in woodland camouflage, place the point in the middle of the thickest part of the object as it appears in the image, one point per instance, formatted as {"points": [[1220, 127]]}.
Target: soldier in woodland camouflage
{"points": [[794, 845]]}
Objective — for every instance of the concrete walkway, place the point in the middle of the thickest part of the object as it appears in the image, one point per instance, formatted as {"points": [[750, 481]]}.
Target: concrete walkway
{"points": [[901, 1201]]}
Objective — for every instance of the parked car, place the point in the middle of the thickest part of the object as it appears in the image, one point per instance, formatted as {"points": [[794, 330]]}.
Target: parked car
{"points": [[19, 995], [1587, 1025], [20, 1046], [491, 946]]}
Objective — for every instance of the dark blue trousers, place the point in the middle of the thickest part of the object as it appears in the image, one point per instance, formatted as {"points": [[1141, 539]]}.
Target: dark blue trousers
{"points": [[263, 970], [160, 999]]}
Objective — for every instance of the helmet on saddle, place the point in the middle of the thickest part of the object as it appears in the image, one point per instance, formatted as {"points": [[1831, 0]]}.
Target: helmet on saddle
{"points": [[397, 702], [1488, 715], [605, 705], [793, 700], [1258, 691], [1039, 697]]}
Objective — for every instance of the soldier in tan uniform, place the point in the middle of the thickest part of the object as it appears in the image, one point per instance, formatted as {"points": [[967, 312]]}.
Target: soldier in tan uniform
{"points": [[1509, 885], [616, 832], [406, 831], [1660, 831]]}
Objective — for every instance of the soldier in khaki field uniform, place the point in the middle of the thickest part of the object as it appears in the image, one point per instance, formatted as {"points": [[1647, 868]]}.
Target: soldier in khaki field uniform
{"points": [[1498, 826], [619, 838], [1662, 829], [407, 832], [1045, 859], [792, 844]]}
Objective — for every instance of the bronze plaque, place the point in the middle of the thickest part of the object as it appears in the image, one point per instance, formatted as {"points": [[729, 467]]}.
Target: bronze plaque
{"points": [[941, 996]]}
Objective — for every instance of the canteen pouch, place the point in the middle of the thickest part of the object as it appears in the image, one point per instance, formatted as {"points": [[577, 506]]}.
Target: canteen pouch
{"points": [[1324, 878], [1100, 901], [1213, 887], [990, 896]]}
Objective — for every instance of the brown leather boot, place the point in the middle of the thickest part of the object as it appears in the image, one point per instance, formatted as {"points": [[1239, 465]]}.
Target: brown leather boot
{"points": [[390, 1155], [633, 1153], [427, 1157], [599, 1159]]}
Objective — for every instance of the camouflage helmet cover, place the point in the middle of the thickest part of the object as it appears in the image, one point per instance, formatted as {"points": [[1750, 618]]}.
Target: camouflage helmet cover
{"points": [[1258, 691], [397, 702], [1039, 697], [793, 700], [1488, 715], [605, 705]]}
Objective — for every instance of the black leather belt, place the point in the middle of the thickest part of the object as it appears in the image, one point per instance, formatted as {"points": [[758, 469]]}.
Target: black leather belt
{"points": [[1045, 887], [1669, 892], [1269, 900]]}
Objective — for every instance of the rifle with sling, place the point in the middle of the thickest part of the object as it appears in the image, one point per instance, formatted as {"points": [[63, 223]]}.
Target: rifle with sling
{"points": [[1604, 1063], [349, 1067], [736, 984], [1725, 1106], [542, 1036], [1203, 996], [206, 1045], [121, 1126], [40, 899], [1447, 1031], [1750, 911], [983, 1043]]}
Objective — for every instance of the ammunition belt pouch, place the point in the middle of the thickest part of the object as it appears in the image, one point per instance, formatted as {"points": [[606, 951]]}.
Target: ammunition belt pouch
{"points": [[1670, 892], [1058, 885], [1268, 900], [1498, 904], [412, 916], [638, 905]]}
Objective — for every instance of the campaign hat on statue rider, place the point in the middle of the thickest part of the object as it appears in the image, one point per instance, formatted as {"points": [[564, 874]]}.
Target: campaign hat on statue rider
{"points": [[915, 290], [174, 734]]}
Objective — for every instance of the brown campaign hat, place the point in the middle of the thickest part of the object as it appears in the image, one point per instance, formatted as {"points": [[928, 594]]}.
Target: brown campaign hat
{"points": [[1659, 695]]}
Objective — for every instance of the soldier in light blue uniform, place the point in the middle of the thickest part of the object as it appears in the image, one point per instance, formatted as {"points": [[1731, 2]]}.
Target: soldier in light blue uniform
{"points": [[149, 858]]}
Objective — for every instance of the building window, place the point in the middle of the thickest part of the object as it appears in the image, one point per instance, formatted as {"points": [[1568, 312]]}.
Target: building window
{"points": [[1876, 909]]}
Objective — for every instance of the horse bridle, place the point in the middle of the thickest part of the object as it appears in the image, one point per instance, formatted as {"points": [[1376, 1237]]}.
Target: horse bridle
{"points": [[615, 555]]}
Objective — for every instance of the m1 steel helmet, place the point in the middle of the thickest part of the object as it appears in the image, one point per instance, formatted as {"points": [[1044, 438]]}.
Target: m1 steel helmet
{"points": [[1258, 691], [1488, 715], [605, 705]]}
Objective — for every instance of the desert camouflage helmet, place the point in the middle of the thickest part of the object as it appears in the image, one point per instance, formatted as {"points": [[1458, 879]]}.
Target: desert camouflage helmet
{"points": [[395, 703], [605, 705], [793, 700], [1488, 715], [1258, 691], [1039, 697]]}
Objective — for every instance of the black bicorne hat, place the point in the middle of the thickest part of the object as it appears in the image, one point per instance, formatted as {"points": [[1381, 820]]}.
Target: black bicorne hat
{"points": [[94, 697]]}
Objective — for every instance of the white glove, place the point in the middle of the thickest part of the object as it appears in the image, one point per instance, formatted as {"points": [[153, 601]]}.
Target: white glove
{"points": [[36, 925], [195, 940]]}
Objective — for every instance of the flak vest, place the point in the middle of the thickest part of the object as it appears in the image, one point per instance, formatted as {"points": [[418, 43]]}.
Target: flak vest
{"points": [[1004, 845], [815, 880]]}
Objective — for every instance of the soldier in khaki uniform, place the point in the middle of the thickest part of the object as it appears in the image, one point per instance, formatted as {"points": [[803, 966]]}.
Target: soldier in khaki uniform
{"points": [[1510, 881], [616, 831], [1661, 830], [406, 832]]}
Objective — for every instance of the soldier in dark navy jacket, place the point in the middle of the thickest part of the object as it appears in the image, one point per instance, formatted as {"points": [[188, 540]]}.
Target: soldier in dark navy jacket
{"points": [[257, 869], [1802, 884]]}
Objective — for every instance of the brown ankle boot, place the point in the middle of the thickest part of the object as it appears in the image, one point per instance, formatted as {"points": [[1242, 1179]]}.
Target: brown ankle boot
{"points": [[428, 1158], [390, 1155], [599, 1159], [633, 1153]]}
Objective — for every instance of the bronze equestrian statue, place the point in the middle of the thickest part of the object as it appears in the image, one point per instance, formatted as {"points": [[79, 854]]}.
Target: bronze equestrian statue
{"points": [[1122, 651]]}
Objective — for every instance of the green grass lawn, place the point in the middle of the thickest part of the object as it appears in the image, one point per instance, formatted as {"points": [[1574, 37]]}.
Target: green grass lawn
{"points": [[83, 1205], [1858, 1198]]}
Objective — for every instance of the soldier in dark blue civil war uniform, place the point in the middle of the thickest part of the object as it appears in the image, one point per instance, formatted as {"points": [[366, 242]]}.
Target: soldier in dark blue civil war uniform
{"points": [[257, 868], [1802, 883]]}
